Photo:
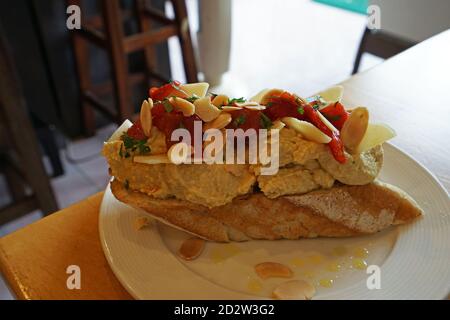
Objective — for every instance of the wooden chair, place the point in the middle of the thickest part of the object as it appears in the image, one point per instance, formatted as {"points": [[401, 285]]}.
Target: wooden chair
{"points": [[381, 44], [20, 158], [119, 46]]}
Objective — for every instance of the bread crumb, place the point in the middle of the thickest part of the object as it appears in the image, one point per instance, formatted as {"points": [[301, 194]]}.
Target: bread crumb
{"points": [[141, 222]]}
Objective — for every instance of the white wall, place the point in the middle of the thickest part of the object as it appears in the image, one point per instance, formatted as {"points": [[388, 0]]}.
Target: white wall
{"points": [[414, 20]]}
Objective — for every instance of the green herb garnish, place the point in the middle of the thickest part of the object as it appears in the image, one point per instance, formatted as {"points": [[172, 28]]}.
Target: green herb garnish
{"points": [[236, 100], [133, 145], [193, 98], [239, 120], [266, 123], [167, 106], [300, 110]]}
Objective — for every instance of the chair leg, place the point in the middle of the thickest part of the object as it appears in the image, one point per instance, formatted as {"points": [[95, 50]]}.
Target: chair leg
{"points": [[145, 25], [48, 142], [361, 50], [184, 34], [21, 132], [14, 181], [118, 56], [81, 52]]}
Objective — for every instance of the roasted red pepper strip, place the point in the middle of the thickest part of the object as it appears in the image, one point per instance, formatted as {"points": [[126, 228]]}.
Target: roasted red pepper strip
{"points": [[336, 114], [171, 89], [136, 132], [288, 105], [284, 105], [336, 146]]}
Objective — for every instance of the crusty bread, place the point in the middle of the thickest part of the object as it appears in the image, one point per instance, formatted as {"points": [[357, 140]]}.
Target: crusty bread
{"points": [[337, 212]]}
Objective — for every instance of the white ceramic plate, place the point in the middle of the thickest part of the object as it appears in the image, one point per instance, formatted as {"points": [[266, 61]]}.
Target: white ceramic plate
{"points": [[414, 260]]}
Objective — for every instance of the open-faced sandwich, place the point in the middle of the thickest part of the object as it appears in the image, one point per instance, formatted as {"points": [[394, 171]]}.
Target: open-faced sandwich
{"points": [[327, 160]]}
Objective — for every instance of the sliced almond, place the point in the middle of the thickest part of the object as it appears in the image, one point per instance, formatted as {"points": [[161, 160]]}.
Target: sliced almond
{"points": [[219, 123], [278, 125], [150, 102], [294, 290], [205, 109], [273, 270], [146, 116], [355, 128], [256, 107], [127, 124], [269, 94], [199, 89], [375, 135], [307, 130], [220, 100], [191, 248], [179, 153], [180, 104], [152, 159], [258, 97], [230, 108], [300, 99], [141, 222], [246, 104]]}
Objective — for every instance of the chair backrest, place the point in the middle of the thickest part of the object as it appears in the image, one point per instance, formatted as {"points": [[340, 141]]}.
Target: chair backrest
{"points": [[414, 20]]}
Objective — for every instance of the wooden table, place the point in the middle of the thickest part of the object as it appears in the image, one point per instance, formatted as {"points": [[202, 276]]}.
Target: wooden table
{"points": [[409, 92]]}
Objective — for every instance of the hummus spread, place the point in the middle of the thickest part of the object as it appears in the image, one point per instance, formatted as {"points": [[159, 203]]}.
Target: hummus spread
{"points": [[304, 166]]}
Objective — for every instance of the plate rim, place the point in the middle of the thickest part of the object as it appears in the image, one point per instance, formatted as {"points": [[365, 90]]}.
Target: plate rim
{"points": [[131, 290]]}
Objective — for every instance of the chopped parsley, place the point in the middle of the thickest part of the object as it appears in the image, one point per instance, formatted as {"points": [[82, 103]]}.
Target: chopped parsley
{"points": [[266, 123], [239, 120], [236, 100], [193, 98], [301, 110], [133, 145], [315, 106], [167, 106]]}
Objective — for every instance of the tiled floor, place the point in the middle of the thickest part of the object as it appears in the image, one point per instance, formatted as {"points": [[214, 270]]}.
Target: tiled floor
{"points": [[301, 46]]}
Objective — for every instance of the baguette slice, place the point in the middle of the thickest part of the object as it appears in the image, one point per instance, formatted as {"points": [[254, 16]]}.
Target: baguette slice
{"points": [[341, 211]]}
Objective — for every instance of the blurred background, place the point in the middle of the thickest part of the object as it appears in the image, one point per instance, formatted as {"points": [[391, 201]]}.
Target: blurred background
{"points": [[64, 89]]}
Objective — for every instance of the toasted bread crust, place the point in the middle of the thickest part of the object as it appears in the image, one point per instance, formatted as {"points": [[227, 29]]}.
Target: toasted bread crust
{"points": [[337, 212]]}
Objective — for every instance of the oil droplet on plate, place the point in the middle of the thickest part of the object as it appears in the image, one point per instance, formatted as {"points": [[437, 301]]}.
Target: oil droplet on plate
{"points": [[339, 251], [254, 285], [223, 251], [315, 259], [361, 253], [359, 264], [308, 274], [326, 283], [298, 262], [334, 266]]}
